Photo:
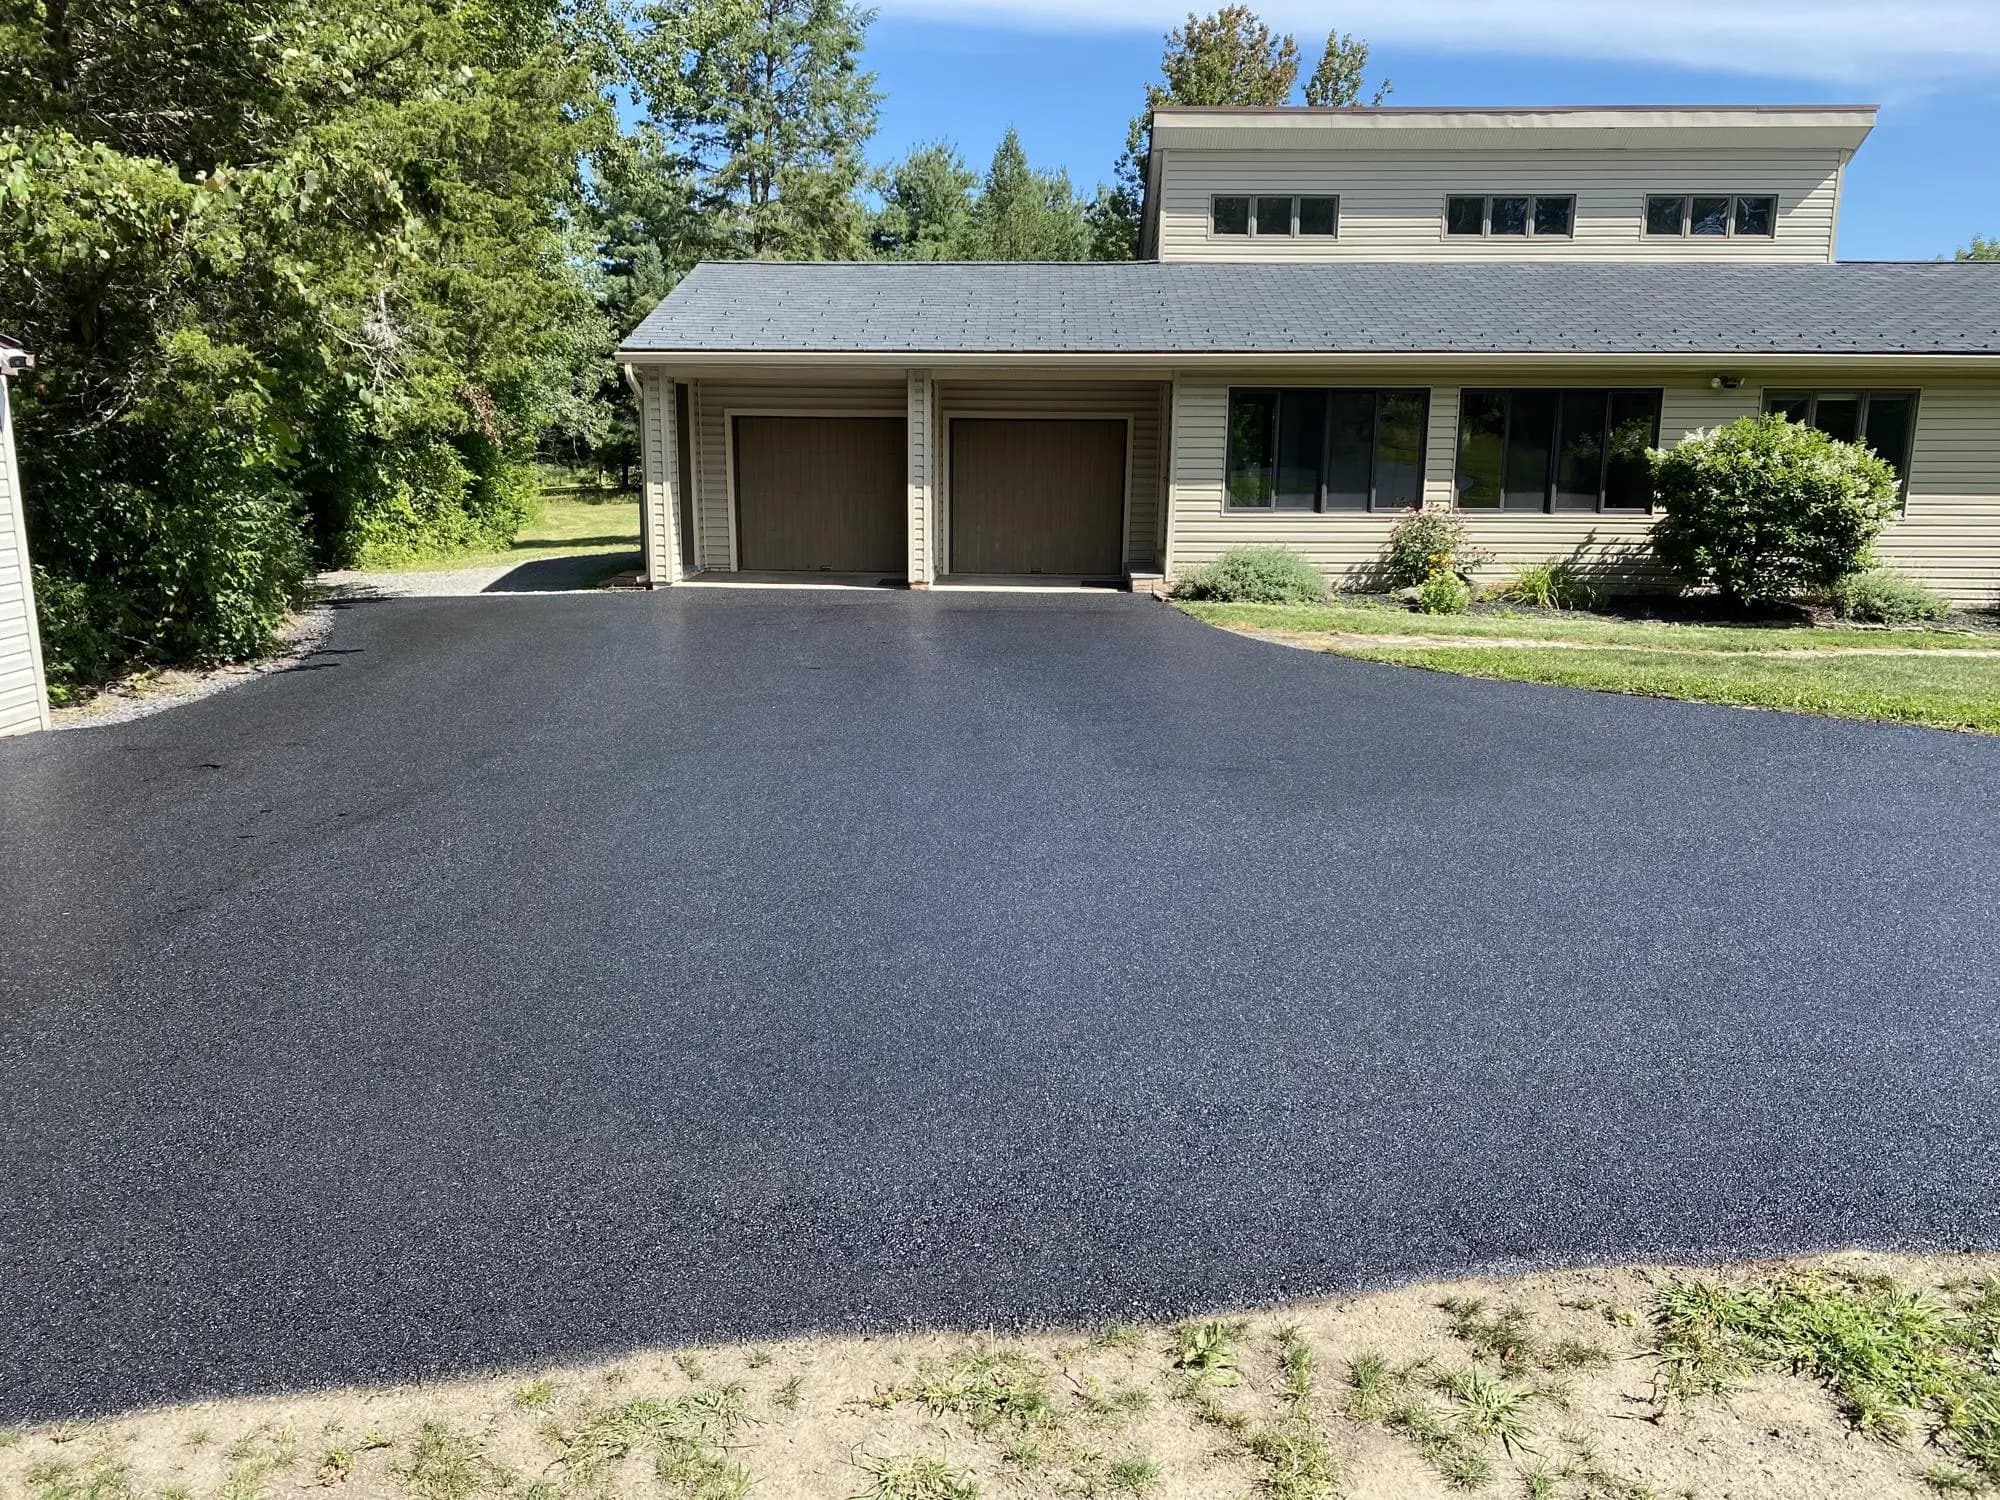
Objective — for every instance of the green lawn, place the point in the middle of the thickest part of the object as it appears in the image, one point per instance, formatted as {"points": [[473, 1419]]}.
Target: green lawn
{"points": [[1936, 678], [566, 526], [1377, 619]]}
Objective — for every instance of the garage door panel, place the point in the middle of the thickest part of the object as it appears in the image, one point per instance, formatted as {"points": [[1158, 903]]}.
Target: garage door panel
{"points": [[822, 494], [1035, 495]]}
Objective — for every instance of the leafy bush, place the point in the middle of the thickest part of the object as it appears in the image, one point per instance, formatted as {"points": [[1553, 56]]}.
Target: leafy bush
{"points": [[1425, 542], [1254, 575], [1764, 509], [1548, 585], [190, 548], [1443, 593], [1886, 597]]}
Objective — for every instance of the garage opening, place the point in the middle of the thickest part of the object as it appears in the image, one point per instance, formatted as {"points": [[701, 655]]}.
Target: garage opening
{"points": [[1038, 495], [821, 495]]}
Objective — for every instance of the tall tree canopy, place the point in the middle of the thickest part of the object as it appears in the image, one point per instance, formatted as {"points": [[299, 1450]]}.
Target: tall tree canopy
{"points": [[1228, 58], [926, 206], [774, 111], [935, 208], [1981, 248], [301, 281], [1340, 77]]}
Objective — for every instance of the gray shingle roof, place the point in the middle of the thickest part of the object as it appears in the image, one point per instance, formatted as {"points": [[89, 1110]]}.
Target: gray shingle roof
{"points": [[1486, 307]]}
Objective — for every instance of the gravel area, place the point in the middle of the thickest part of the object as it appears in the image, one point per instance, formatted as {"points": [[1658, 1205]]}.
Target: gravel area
{"points": [[510, 984], [146, 693], [548, 575]]}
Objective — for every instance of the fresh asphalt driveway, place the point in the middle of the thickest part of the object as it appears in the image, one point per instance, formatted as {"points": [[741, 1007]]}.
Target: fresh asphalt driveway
{"points": [[523, 978]]}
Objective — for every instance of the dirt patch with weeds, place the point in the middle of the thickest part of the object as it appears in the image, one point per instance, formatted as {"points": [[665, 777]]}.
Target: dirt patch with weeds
{"points": [[1858, 1375]]}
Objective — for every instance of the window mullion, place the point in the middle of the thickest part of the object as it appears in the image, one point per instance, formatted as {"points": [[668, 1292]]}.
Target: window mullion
{"points": [[1325, 450], [1555, 454], [1603, 453], [1374, 451]]}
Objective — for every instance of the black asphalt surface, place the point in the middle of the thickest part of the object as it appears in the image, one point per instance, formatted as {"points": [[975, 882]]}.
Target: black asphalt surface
{"points": [[531, 978]]}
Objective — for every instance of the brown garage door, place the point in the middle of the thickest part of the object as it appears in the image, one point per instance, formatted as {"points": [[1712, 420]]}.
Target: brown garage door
{"points": [[822, 494], [1032, 495]]}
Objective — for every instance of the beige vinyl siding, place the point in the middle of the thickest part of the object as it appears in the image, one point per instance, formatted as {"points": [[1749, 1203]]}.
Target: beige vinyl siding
{"points": [[659, 466], [1137, 400], [1392, 202], [714, 399], [23, 701], [1949, 535], [923, 473]]}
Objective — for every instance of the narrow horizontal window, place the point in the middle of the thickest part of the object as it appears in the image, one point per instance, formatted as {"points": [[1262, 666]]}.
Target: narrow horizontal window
{"points": [[1274, 216], [1508, 216], [1708, 215], [1319, 216], [1753, 215], [1757, 217], [1304, 448], [1666, 215], [1884, 420], [1511, 215], [1230, 216], [1556, 450]]}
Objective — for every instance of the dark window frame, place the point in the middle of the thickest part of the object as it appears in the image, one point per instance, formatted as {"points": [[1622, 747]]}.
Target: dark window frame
{"points": [[1686, 230], [1376, 505], [1863, 394], [1553, 479], [1486, 216], [1251, 200]]}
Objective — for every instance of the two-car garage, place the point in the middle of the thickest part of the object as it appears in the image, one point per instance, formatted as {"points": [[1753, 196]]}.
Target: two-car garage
{"points": [[1022, 495]]}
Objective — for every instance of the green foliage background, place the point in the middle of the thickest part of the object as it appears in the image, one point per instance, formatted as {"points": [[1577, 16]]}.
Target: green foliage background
{"points": [[313, 282]]}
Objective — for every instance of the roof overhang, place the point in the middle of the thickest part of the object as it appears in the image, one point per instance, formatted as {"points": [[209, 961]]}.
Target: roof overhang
{"points": [[1163, 363], [1841, 127]]}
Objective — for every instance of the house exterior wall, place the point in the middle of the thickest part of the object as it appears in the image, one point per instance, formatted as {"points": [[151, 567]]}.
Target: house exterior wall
{"points": [[23, 692], [714, 399], [660, 478], [1392, 202], [1948, 536], [1137, 401]]}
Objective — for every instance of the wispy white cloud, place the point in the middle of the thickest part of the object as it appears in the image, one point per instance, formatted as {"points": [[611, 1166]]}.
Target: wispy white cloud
{"points": [[1871, 46]]}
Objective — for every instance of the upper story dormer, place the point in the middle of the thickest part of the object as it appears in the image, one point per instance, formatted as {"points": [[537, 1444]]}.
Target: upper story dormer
{"points": [[1619, 183]]}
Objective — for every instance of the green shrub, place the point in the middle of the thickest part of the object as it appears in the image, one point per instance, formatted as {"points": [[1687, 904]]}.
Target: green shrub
{"points": [[1885, 597], [1548, 585], [1764, 509], [171, 535], [1425, 542], [1254, 575], [1443, 593]]}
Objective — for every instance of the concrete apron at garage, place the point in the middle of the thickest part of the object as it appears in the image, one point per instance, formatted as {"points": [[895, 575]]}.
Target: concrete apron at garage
{"points": [[861, 478]]}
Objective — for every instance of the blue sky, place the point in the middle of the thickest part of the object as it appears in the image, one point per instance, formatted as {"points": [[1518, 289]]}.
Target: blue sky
{"points": [[1069, 73]]}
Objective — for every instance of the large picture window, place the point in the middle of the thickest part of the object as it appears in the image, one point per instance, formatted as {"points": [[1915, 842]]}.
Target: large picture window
{"points": [[1556, 450], [1301, 448], [1885, 420]]}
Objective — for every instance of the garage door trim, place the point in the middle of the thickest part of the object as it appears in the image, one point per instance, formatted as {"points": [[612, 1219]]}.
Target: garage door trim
{"points": [[1036, 414], [729, 416]]}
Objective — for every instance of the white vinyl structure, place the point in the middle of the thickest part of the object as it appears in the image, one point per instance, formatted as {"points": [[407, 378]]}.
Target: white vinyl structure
{"points": [[24, 701]]}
